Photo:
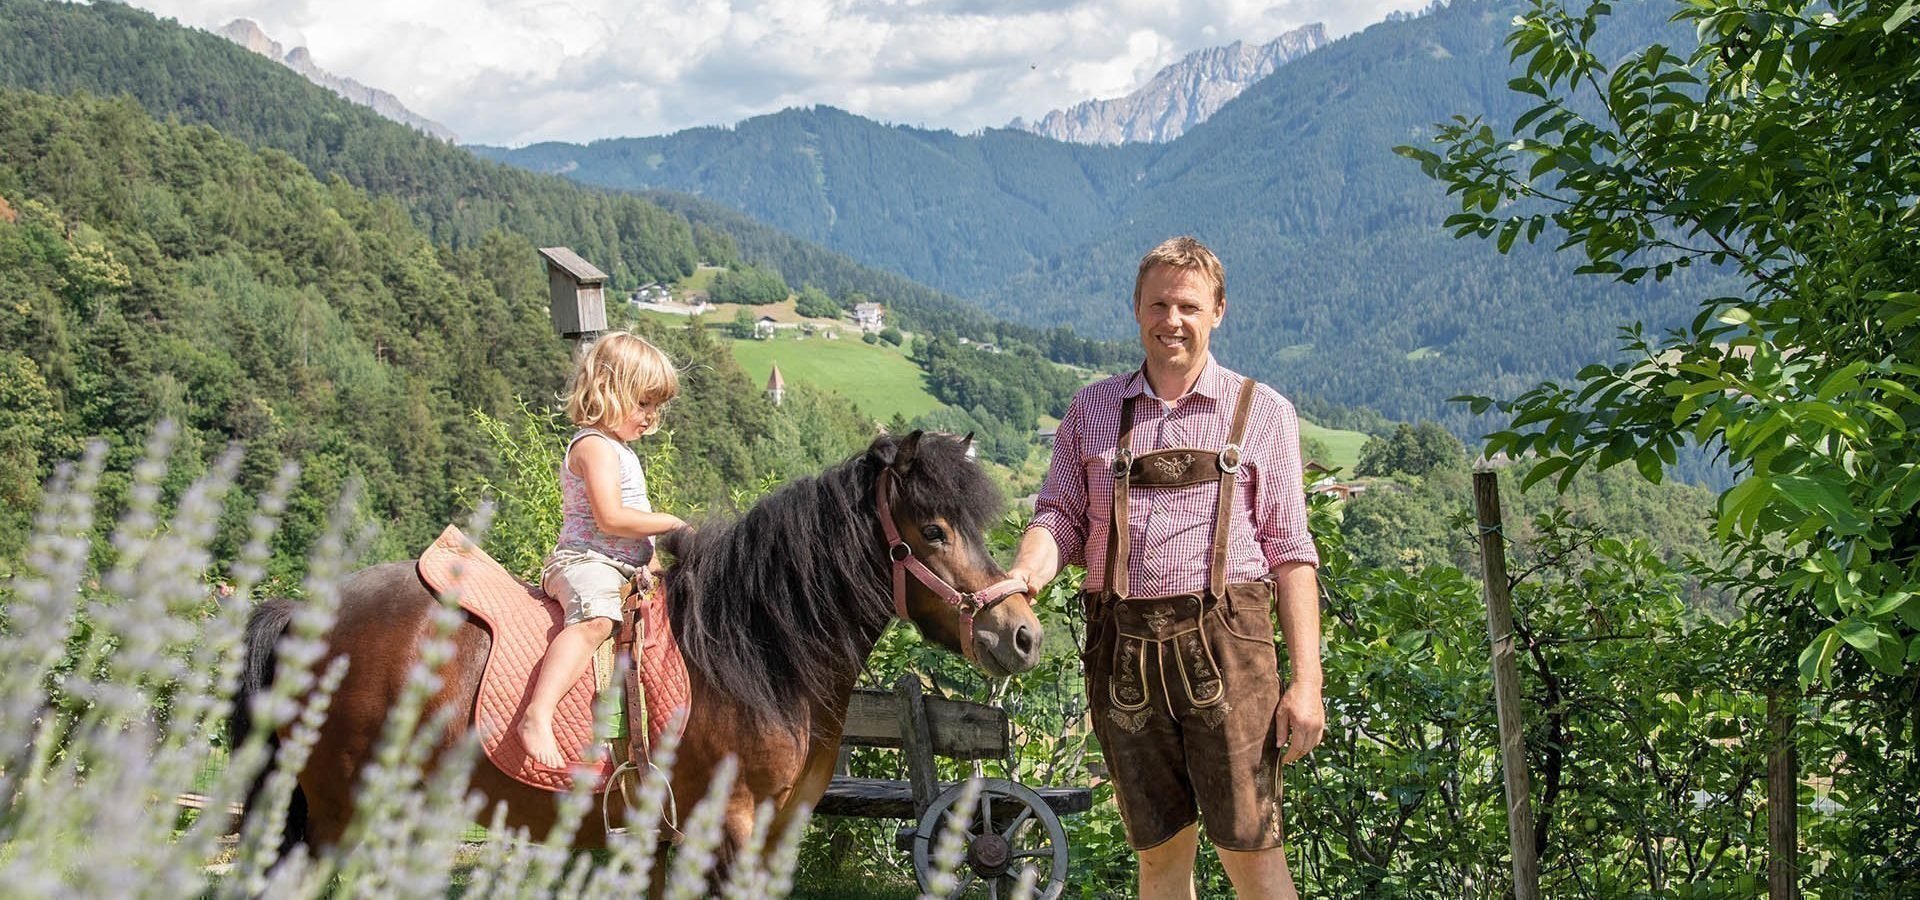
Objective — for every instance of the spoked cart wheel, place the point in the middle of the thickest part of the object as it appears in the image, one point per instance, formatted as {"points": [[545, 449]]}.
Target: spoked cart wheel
{"points": [[1011, 829]]}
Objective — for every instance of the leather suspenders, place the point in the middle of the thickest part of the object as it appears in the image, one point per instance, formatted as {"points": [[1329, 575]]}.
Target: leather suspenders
{"points": [[1174, 468]]}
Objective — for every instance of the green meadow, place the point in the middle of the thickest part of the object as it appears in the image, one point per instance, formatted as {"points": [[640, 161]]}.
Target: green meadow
{"points": [[882, 381], [876, 377], [1344, 446]]}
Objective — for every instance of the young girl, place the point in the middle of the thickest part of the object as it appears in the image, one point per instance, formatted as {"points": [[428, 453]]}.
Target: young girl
{"points": [[619, 388]]}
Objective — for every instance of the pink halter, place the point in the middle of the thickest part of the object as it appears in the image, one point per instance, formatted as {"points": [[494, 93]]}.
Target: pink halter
{"points": [[901, 553]]}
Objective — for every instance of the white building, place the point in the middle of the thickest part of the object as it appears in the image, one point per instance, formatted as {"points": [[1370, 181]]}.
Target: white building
{"points": [[869, 316]]}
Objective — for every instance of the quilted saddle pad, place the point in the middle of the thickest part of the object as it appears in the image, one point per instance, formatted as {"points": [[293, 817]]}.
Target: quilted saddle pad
{"points": [[523, 621]]}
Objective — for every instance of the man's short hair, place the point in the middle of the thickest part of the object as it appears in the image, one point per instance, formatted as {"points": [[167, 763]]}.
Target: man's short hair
{"points": [[1188, 254]]}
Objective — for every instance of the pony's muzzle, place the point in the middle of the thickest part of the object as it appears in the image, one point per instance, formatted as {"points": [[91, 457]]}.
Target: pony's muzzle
{"points": [[1007, 640]]}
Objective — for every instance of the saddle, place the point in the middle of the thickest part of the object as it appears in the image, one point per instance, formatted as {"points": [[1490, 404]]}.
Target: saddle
{"points": [[523, 621]]}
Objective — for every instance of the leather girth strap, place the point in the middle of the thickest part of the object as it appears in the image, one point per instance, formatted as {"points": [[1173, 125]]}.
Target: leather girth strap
{"points": [[1178, 467]]}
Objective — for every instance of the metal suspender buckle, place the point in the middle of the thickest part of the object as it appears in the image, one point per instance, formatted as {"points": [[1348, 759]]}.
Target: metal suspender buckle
{"points": [[1122, 461], [1229, 458]]}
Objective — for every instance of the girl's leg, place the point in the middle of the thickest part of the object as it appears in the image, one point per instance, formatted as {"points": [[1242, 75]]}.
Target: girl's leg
{"points": [[566, 658]]}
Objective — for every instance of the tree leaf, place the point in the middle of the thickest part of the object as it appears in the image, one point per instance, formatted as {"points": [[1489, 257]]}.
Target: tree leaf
{"points": [[1542, 469], [1648, 462], [1903, 603], [1816, 661], [1857, 633], [1900, 16], [1735, 503]]}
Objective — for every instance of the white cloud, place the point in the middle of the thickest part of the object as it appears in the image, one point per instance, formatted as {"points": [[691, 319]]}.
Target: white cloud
{"points": [[518, 71]]}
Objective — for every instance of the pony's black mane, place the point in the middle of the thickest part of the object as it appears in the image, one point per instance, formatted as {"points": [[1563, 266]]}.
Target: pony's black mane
{"points": [[782, 606]]}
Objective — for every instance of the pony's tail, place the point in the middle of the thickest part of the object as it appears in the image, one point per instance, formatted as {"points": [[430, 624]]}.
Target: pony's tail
{"points": [[264, 627]]}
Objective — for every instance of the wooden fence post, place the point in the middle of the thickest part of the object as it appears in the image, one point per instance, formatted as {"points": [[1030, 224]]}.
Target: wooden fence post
{"points": [[916, 743], [1783, 800], [1506, 687]]}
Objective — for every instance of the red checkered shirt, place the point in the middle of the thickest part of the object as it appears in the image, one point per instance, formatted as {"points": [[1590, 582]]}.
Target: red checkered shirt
{"points": [[1172, 528]]}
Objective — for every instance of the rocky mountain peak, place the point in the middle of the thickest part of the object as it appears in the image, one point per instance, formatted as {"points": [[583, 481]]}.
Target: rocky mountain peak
{"points": [[1180, 96], [247, 33]]}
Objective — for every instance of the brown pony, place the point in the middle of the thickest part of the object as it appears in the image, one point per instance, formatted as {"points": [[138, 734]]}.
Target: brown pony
{"points": [[775, 614]]}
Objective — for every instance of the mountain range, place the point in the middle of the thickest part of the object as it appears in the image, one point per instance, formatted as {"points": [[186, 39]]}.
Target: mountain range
{"points": [[1343, 288], [1179, 96], [247, 33], [1342, 284]]}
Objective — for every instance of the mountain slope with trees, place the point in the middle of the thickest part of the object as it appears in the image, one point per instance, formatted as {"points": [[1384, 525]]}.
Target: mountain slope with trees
{"points": [[953, 212], [173, 71], [157, 272], [1345, 287]]}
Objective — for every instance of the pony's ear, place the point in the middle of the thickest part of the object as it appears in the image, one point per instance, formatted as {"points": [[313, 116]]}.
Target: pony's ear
{"points": [[966, 446], [883, 451], [909, 452]]}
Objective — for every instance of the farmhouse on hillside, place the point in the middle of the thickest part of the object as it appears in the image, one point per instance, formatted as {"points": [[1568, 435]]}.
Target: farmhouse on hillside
{"points": [[869, 316]]}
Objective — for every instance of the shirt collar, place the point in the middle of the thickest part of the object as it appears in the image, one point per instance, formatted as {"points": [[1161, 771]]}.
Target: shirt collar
{"points": [[1213, 382]]}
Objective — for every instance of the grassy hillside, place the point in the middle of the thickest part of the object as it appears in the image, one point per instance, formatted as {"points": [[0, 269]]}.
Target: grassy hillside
{"points": [[877, 378], [1343, 446], [881, 381]]}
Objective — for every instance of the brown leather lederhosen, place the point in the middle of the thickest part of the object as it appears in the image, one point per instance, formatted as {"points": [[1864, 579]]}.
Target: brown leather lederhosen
{"points": [[1183, 688]]}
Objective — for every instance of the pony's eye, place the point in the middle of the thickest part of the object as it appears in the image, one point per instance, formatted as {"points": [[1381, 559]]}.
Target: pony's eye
{"points": [[933, 533]]}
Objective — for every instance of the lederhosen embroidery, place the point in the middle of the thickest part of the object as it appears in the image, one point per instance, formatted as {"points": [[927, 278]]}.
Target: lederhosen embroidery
{"points": [[1146, 627]]}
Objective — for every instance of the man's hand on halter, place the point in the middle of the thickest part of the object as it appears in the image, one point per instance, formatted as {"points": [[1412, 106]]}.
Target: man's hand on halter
{"points": [[1037, 561]]}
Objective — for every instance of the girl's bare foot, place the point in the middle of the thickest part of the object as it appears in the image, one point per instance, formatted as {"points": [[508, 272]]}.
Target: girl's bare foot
{"points": [[537, 735]]}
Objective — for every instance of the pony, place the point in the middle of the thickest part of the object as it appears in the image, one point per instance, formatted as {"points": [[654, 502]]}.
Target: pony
{"points": [[775, 614]]}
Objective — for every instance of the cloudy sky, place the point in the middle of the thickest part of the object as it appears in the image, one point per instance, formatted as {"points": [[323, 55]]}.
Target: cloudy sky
{"points": [[518, 71]]}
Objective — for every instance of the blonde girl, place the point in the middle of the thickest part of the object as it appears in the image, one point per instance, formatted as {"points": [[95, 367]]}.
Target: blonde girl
{"points": [[620, 386]]}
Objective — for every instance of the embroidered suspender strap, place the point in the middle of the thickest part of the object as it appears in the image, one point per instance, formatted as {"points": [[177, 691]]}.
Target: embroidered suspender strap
{"points": [[1229, 461], [1117, 535]]}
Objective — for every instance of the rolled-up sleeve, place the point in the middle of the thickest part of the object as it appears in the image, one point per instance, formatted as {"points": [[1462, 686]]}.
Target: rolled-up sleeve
{"points": [[1281, 515], [1061, 507]]}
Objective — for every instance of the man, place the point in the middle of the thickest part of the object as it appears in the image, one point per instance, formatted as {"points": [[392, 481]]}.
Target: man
{"points": [[1178, 487]]}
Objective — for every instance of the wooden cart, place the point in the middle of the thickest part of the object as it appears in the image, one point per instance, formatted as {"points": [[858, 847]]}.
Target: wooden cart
{"points": [[1011, 827]]}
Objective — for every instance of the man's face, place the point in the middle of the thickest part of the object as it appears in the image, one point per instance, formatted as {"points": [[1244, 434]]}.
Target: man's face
{"points": [[1177, 316]]}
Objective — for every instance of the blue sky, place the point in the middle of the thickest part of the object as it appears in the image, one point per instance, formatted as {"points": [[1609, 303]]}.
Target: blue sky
{"points": [[519, 71]]}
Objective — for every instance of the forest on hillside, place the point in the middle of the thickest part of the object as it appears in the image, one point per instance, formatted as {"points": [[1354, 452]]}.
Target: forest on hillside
{"points": [[158, 272], [457, 199]]}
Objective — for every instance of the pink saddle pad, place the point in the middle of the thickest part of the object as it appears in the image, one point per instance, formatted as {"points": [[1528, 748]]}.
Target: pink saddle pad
{"points": [[523, 621]]}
